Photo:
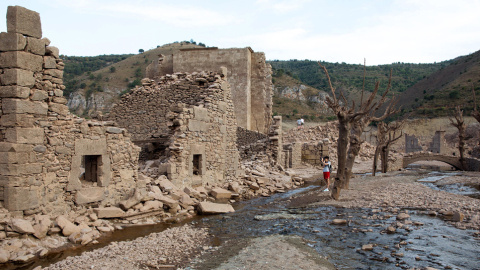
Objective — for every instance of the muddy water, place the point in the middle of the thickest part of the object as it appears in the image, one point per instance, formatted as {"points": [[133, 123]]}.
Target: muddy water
{"points": [[434, 244]]}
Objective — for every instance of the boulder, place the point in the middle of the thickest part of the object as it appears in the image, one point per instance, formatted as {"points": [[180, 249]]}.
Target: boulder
{"points": [[151, 205], [220, 193], [391, 230], [403, 216], [215, 208], [109, 212], [458, 216], [22, 226], [4, 256], [165, 184], [70, 229]]}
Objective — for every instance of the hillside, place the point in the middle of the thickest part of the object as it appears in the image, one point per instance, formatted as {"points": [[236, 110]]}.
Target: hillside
{"points": [[350, 76], [437, 94], [96, 89]]}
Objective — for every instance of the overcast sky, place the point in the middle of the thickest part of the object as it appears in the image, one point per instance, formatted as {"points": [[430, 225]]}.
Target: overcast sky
{"points": [[382, 31]]}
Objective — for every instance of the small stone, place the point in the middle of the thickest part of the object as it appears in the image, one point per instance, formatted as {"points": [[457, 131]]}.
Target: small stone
{"points": [[403, 216], [22, 226], [339, 221], [368, 247], [391, 230]]}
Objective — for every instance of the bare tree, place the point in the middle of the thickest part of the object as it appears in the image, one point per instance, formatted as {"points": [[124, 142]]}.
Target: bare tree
{"points": [[387, 134], [459, 123], [352, 121]]}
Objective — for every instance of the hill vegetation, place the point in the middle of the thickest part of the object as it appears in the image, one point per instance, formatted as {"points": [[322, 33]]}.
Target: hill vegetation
{"points": [[423, 89]]}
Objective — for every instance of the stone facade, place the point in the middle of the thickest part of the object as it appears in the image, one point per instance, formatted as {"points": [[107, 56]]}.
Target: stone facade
{"points": [[51, 160], [313, 153], [411, 144], [190, 118], [438, 144], [247, 73]]}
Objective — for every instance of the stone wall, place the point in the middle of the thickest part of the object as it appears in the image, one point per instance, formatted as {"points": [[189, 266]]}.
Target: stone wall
{"points": [[438, 144], [247, 137], [313, 153], [247, 73], [192, 117], [45, 152], [411, 144], [292, 153]]}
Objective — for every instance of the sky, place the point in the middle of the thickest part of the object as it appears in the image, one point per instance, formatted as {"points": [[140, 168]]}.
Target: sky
{"points": [[381, 31]]}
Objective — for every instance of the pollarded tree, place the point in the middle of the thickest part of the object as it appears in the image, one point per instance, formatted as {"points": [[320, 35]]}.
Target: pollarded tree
{"points": [[459, 123], [387, 134], [352, 121]]}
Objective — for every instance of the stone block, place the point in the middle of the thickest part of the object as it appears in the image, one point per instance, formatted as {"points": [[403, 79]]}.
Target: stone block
{"points": [[35, 46], [15, 147], [109, 212], [49, 62], [21, 226], [13, 157], [195, 125], [17, 77], [21, 59], [39, 95], [89, 195], [114, 130], [21, 198], [52, 51], [58, 108], [12, 42], [220, 193], [62, 150], [21, 169], [215, 208], [25, 135], [17, 120], [54, 73], [10, 105], [14, 91], [24, 21], [201, 114]]}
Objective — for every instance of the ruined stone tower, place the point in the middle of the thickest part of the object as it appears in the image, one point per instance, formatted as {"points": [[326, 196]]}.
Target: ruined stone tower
{"points": [[49, 158]]}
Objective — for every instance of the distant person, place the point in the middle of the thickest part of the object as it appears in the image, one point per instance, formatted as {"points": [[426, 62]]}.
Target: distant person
{"points": [[300, 123], [327, 168]]}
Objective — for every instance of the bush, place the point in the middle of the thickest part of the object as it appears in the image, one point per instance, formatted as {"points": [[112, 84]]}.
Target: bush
{"points": [[454, 94], [113, 69]]}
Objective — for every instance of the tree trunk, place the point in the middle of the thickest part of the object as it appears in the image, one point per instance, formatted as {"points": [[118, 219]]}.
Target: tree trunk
{"points": [[353, 150], [342, 144], [384, 157], [375, 158]]}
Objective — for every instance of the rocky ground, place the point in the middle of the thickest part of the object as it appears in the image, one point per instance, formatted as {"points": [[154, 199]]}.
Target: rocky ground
{"points": [[165, 250], [395, 191]]}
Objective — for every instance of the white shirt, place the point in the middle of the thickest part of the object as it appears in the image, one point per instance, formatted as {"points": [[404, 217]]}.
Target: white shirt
{"points": [[326, 167]]}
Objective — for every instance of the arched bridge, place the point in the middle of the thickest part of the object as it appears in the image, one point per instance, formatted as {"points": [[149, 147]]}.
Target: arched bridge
{"points": [[471, 164]]}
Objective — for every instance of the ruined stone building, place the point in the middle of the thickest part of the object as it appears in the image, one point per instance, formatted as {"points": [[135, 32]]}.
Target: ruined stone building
{"points": [[411, 144], [51, 160], [188, 122], [438, 144], [247, 73]]}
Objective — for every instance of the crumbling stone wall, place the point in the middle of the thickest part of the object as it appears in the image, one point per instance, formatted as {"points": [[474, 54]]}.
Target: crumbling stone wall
{"points": [[193, 115], [411, 144], [43, 146], [438, 144], [247, 137], [247, 73], [313, 153], [292, 153]]}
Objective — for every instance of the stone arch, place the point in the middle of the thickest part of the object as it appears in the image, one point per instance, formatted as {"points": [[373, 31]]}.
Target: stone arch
{"points": [[452, 161]]}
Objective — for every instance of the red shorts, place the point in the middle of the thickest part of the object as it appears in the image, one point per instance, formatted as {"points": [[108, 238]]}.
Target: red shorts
{"points": [[326, 175]]}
